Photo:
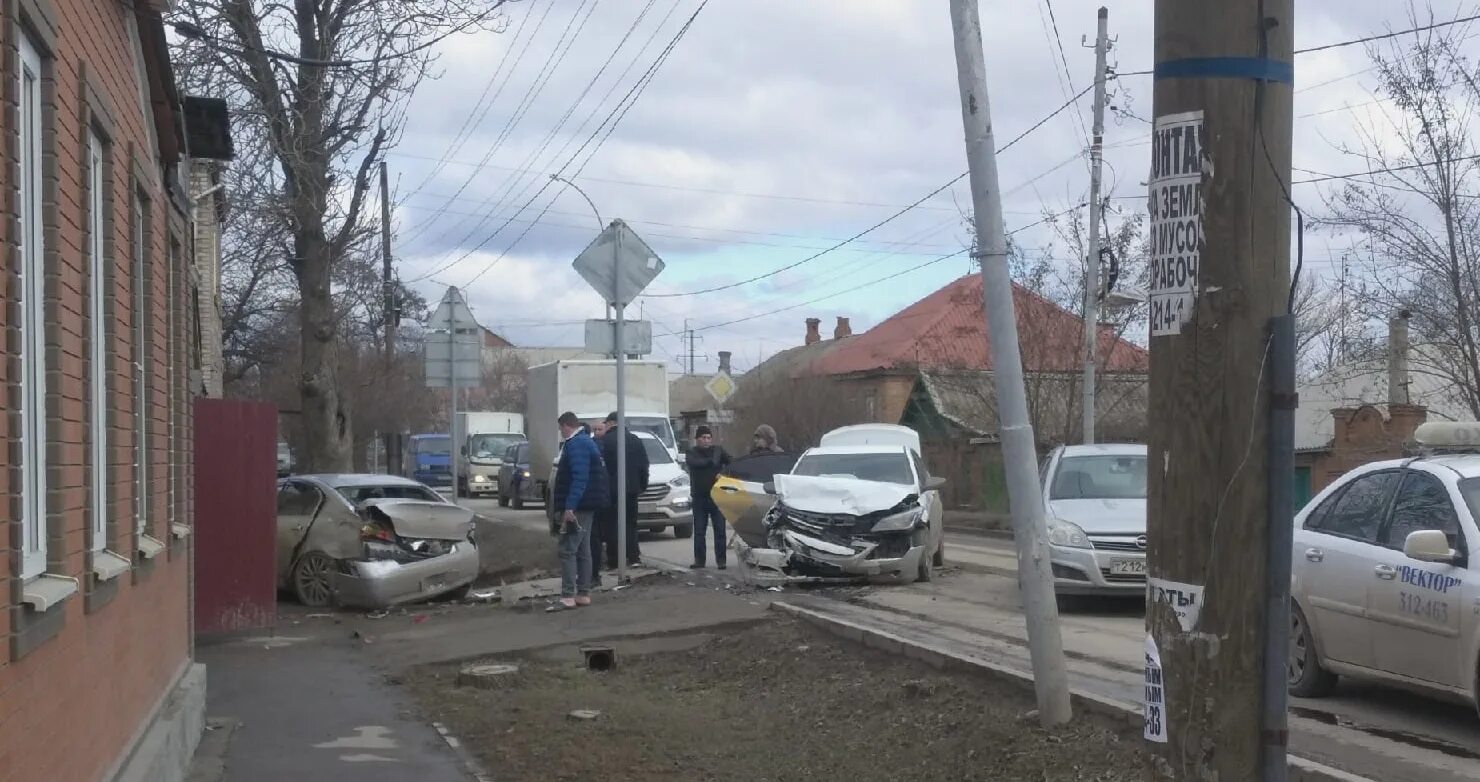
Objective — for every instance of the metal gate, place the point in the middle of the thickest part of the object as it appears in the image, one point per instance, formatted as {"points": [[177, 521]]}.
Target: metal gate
{"points": [[235, 515]]}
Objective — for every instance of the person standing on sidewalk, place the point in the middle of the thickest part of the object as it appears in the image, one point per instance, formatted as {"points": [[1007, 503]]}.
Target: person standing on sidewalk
{"points": [[604, 527], [638, 474], [580, 489], [764, 440], [705, 462]]}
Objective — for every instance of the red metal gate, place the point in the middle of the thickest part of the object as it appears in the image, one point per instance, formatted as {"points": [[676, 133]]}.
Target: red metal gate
{"points": [[235, 515]]}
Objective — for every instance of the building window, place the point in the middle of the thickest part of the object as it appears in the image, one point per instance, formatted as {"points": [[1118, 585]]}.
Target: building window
{"points": [[32, 330], [98, 339], [140, 221]]}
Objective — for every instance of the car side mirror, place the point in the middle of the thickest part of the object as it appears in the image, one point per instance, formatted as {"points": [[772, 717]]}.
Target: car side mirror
{"points": [[769, 488], [1429, 545], [934, 483]]}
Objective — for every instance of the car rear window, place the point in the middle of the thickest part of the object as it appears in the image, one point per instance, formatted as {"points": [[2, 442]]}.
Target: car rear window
{"points": [[359, 494]]}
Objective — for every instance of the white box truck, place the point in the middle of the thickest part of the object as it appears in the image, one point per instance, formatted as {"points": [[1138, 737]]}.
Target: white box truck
{"points": [[482, 440], [589, 389]]}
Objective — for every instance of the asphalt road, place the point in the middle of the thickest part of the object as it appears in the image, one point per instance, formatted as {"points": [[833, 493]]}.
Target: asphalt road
{"points": [[1363, 728]]}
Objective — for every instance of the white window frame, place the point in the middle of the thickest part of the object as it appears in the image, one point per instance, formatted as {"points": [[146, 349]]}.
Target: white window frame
{"points": [[97, 223], [32, 292], [139, 225]]}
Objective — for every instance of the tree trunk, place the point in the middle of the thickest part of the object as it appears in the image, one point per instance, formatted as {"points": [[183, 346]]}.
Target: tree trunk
{"points": [[327, 434]]}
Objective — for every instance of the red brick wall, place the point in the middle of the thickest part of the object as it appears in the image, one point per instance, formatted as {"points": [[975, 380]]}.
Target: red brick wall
{"points": [[70, 706], [1362, 436]]}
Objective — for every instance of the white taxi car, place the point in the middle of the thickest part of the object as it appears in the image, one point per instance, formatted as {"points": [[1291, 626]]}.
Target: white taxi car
{"points": [[1382, 581]]}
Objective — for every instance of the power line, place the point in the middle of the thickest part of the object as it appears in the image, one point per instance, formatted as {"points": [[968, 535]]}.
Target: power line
{"points": [[1385, 36], [614, 117], [1387, 170], [536, 87], [875, 226]]}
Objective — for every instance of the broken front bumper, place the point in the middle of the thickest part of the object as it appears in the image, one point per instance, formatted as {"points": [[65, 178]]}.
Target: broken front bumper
{"points": [[380, 583], [803, 558]]}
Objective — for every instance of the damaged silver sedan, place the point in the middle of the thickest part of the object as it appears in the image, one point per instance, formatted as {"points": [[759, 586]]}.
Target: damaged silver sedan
{"points": [[851, 511], [371, 541]]}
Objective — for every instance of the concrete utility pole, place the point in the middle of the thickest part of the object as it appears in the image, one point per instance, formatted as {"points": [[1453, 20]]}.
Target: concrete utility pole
{"points": [[1092, 284], [1222, 389], [388, 306], [1019, 450]]}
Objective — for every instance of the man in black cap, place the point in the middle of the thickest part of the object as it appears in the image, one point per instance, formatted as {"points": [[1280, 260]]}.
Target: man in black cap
{"points": [[638, 468], [705, 462]]}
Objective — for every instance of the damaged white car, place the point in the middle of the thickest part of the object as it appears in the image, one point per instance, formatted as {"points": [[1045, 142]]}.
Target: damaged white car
{"points": [[371, 541], [861, 505]]}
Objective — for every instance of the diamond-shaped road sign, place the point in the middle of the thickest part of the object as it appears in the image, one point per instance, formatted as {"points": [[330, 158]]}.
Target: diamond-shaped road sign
{"points": [[721, 387], [618, 264]]}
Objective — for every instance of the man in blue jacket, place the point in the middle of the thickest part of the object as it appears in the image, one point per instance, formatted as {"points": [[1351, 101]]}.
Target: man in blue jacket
{"points": [[580, 490]]}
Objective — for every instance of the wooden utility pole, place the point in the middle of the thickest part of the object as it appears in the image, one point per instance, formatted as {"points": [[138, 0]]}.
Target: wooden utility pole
{"points": [[1220, 226], [390, 313]]}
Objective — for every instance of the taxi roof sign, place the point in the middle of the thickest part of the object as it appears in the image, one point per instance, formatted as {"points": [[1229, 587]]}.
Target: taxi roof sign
{"points": [[1449, 435]]}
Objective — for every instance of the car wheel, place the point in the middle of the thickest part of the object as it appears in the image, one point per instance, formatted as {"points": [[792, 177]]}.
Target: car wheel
{"points": [[682, 531], [313, 579], [922, 571], [938, 559], [1307, 678], [456, 595]]}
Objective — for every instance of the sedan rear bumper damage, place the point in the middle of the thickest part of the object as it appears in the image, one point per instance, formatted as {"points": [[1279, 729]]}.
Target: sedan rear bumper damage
{"points": [[379, 583]]}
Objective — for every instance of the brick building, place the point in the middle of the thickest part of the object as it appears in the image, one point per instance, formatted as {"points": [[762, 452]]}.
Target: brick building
{"points": [[96, 674]]}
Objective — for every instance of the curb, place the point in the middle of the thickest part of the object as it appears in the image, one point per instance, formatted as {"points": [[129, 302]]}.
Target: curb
{"points": [[471, 766], [1301, 770]]}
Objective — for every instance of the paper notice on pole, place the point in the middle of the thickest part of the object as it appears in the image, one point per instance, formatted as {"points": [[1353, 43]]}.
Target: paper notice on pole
{"points": [[1155, 711], [1178, 165], [1185, 600]]}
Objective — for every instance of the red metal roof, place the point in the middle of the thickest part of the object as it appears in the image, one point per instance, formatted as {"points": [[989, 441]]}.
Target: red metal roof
{"points": [[946, 330]]}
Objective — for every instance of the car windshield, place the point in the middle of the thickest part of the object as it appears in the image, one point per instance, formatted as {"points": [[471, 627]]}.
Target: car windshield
{"points": [[437, 445], [359, 494], [877, 467], [656, 453], [657, 427], [1100, 478], [487, 446]]}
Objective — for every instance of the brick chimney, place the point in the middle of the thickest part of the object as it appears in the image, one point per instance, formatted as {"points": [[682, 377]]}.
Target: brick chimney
{"points": [[724, 361], [814, 333], [842, 329]]}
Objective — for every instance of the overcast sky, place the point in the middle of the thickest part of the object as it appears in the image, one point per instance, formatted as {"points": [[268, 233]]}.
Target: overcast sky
{"points": [[775, 129]]}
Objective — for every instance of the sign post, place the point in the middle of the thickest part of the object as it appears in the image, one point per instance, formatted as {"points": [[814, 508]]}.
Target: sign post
{"points": [[619, 265], [454, 361]]}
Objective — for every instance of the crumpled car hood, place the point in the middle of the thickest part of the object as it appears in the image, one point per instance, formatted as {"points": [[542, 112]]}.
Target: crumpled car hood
{"points": [[834, 496], [423, 519]]}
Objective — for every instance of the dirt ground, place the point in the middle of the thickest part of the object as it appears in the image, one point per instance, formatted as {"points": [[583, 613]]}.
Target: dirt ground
{"points": [[511, 553], [776, 701]]}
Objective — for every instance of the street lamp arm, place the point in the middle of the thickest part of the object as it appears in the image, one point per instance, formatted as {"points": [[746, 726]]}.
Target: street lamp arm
{"points": [[600, 226]]}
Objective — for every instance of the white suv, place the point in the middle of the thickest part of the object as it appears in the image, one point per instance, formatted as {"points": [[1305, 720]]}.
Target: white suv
{"points": [[1383, 583]]}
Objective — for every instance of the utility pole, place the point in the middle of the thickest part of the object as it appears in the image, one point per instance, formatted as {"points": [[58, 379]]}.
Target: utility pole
{"points": [[1019, 450], [389, 314], [1222, 389], [1092, 284]]}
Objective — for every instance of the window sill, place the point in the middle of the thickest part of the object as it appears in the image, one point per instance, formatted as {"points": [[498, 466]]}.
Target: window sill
{"points": [[107, 565], [47, 591], [149, 547], [179, 531]]}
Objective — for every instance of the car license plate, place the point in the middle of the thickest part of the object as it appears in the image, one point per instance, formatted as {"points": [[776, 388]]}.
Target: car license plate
{"points": [[647, 508], [1128, 567]]}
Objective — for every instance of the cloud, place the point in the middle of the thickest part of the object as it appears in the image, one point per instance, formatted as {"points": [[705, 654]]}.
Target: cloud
{"points": [[774, 129]]}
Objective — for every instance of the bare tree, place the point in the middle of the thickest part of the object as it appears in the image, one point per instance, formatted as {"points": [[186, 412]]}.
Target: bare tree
{"points": [[1416, 211], [327, 81]]}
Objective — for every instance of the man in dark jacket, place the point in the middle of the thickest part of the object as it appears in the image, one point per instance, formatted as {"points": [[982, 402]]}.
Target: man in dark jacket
{"points": [[705, 462], [580, 490], [638, 469]]}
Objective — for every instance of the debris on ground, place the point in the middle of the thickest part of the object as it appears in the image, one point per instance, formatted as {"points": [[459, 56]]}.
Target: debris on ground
{"points": [[584, 715], [484, 596], [778, 700], [379, 613]]}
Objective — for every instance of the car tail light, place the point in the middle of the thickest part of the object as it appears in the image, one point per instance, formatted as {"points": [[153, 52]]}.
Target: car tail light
{"points": [[377, 531]]}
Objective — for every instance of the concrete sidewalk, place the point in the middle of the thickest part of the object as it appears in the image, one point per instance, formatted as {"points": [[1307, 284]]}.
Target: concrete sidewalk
{"points": [[317, 700], [296, 708]]}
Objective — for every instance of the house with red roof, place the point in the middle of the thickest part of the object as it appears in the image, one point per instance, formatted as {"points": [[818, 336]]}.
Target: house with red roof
{"points": [[930, 366]]}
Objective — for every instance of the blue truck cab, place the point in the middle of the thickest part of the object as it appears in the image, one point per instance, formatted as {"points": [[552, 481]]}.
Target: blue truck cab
{"points": [[430, 459]]}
